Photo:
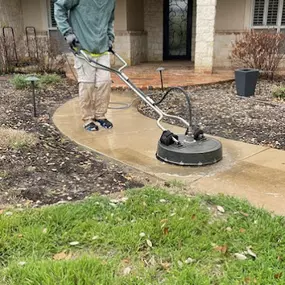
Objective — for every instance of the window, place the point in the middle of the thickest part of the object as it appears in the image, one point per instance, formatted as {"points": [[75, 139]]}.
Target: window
{"points": [[269, 14], [52, 22]]}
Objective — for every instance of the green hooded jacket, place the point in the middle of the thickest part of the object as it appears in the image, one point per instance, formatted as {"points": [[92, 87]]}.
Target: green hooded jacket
{"points": [[92, 21]]}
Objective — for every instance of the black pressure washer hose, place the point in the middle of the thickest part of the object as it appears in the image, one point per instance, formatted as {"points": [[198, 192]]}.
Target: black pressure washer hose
{"points": [[187, 96]]}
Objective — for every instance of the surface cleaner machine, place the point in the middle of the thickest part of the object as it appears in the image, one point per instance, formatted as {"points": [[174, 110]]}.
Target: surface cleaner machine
{"points": [[192, 148]]}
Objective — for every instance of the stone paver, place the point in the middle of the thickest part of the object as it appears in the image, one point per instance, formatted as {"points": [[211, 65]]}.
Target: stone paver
{"points": [[179, 73], [247, 171]]}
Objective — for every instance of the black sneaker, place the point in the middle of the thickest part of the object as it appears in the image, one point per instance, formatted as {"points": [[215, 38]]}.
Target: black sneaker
{"points": [[105, 123], [91, 127]]}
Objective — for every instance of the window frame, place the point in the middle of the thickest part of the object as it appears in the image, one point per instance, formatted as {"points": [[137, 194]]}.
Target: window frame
{"points": [[278, 26], [50, 26]]}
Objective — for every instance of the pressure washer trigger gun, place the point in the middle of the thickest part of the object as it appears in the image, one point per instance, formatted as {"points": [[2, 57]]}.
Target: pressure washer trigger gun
{"points": [[75, 47]]}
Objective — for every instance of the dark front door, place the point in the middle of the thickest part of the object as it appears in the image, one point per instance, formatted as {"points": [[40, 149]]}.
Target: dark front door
{"points": [[177, 29]]}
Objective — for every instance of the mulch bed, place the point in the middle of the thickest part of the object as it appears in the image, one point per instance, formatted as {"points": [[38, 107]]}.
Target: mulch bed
{"points": [[55, 170], [219, 111]]}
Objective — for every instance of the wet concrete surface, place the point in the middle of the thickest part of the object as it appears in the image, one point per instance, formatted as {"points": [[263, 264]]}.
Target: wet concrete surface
{"points": [[247, 171]]}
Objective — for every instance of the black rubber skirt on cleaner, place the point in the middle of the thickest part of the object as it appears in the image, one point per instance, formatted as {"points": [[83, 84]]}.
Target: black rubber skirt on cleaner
{"points": [[191, 153]]}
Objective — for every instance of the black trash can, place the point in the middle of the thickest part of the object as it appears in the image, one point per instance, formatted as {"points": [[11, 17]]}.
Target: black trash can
{"points": [[246, 80]]}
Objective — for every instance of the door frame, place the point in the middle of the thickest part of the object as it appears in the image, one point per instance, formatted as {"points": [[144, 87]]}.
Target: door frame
{"points": [[166, 55]]}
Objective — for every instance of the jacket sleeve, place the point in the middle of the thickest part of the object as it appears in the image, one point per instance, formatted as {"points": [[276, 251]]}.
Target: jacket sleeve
{"points": [[61, 9], [111, 33]]}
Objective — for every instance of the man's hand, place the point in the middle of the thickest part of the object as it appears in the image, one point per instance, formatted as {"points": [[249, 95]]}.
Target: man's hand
{"points": [[71, 39], [110, 45]]}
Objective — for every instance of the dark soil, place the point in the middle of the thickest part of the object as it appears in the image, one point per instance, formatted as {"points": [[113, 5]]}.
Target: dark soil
{"points": [[56, 169], [219, 111]]}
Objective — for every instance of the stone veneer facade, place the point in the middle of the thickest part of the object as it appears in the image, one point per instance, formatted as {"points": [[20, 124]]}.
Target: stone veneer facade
{"points": [[205, 35], [153, 25], [132, 46]]}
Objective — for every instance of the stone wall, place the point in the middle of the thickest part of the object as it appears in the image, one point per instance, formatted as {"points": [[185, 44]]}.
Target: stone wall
{"points": [[222, 50], [11, 15], [205, 35], [153, 25], [132, 46]]}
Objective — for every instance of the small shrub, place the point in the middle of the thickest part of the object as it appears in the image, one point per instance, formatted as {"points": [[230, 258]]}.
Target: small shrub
{"points": [[261, 50], [16, 139], [49, 79], [279, 92], [19, 82]]}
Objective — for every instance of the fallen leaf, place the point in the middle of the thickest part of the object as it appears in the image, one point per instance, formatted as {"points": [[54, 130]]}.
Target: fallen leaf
{"points": [[189, 260], [165, 265], [142, 235], [240, 256], [62, 256], [152, 261], [166, 231], [223, 249], [22, 263], [149, 243], [20, 236], [278, 275], [250, 252], [74, 243], [127, 270], [180, 264], [242, 230], [220, 209], [229, 229], [126, 260], [163, 221], [247, 280], [244, 214], [193, 217], [162, 201]]}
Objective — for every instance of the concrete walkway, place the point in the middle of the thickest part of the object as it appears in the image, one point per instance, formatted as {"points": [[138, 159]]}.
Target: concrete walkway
{"points": [[247, 171]]}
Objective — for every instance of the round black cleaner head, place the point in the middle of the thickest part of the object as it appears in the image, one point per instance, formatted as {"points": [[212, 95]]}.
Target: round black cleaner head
{"points": [[191, 152]]}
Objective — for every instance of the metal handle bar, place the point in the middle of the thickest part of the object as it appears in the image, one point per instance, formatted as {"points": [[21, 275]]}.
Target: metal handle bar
{"points": [[83, 55]]}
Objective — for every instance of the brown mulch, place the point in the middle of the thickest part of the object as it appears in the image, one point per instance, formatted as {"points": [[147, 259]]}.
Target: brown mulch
{"points": [[55, 169], [219, 111]]}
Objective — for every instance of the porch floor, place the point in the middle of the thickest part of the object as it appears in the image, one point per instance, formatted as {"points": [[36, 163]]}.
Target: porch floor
{"points": [[176, 73]]}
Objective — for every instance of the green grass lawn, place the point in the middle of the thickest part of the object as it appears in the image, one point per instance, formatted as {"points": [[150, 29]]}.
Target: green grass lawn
{"points": [[151, 238]]}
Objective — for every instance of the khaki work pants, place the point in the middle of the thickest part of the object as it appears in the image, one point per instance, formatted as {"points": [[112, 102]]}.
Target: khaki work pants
{"points": [[94, 88]]}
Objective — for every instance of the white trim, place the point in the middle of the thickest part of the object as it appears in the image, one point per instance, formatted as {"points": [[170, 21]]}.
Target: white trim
{"points": [[50, 27], [265, 13], [278, 26]]}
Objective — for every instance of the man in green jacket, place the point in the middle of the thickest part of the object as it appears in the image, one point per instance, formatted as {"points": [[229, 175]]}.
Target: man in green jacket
{"points": [[91, 23]]}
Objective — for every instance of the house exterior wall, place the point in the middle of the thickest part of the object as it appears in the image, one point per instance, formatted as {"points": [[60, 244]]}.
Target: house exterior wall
{"points": [[11, 15], [35, 14], [153, 25], [232, 18], [131, 40]]}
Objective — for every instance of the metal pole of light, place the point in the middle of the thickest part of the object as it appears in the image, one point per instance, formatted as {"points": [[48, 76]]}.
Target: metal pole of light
{"points": [[161, 69], [32, 80]]}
